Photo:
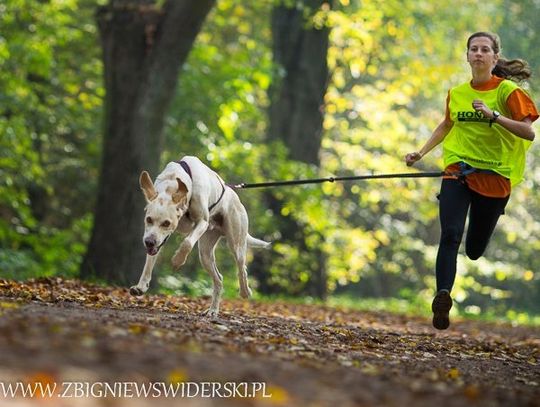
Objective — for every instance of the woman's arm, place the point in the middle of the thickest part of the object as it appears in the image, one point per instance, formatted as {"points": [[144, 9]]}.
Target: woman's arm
{"points": [[436, 138], [522, 129]]}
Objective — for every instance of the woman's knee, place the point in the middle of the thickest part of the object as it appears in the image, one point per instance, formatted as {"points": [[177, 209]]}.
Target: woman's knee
{"points": [[451, 236], [474, 251]]}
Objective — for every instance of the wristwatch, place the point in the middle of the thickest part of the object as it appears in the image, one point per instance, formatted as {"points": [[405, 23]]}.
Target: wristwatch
{"points": [[496, 115]]}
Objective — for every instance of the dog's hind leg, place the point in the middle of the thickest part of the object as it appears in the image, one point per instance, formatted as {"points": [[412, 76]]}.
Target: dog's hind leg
{"points": [[146, 276], [238, 247], [207, 244], [236, 231], [240, 257]]}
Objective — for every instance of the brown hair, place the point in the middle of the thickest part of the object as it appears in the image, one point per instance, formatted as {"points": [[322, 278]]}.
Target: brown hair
{"points": [[516, 70]]}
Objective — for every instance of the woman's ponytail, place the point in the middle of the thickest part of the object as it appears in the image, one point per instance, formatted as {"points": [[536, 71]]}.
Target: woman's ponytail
{"points": [[516, 70]]}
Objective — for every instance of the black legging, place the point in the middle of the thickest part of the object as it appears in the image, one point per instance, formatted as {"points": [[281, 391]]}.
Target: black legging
{"points": [[455, 200]]}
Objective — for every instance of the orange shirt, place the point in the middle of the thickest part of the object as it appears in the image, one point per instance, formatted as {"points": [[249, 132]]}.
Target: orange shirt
{"points": [[494, 185]]}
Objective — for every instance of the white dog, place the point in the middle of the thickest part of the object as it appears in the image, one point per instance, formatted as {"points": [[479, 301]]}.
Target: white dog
{"points": [[191, 198]]}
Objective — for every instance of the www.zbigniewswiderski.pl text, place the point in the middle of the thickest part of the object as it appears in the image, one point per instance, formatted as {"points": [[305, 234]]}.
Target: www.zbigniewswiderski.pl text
{"points": [[75, 389]]}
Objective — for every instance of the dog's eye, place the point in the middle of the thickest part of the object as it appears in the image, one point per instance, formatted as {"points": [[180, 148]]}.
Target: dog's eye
{"points": [[149, 220], [166, 224]]}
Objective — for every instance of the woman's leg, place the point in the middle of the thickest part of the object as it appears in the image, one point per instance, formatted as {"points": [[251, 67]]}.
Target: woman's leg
{"points": [[454, 201], [483, 217]]}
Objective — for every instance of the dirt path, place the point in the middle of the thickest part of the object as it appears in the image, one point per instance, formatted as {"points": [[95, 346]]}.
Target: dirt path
{"points": [[61, 332]]}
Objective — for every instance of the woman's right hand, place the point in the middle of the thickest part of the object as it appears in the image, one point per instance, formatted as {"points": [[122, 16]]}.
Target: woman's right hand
{"points": [[411, 158]]}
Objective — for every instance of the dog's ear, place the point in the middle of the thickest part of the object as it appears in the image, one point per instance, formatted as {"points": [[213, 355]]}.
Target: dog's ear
{"points": [[181, 193], [147, 186]]}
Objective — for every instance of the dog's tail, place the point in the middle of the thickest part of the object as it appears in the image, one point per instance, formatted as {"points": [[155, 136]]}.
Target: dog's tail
{"points": [[257, 243]]}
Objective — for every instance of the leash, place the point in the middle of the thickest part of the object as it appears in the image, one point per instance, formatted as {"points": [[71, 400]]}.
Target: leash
{"points": [[244, 185]]}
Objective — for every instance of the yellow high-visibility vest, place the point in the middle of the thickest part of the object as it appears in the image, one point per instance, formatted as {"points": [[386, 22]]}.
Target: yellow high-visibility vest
{"points": [[480, 143]]}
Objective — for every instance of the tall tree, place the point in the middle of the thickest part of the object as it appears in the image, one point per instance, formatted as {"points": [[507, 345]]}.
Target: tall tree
{"points": [[300, 45], [144, 43]]}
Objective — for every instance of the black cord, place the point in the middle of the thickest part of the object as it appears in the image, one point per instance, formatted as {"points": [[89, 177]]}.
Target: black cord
{"points": [[334, 179]]}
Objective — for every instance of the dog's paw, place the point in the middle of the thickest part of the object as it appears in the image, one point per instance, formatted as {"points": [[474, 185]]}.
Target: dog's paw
{"points": [[136, 291], [180, 257], [211, 313], [178, 261]]}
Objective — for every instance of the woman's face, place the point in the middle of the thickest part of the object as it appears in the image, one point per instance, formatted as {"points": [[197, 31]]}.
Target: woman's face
{"points": [[480, 54]]}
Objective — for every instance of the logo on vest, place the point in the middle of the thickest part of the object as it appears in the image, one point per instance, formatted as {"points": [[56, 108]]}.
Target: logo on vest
{"points": [[473, 116]]}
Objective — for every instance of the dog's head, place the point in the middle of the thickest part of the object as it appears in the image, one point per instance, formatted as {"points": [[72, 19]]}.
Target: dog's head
{"points": [[163, 210]]}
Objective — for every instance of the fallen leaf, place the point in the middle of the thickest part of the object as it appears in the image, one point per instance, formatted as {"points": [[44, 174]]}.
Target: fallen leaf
{"points": [[177, 376], [453, 373]]}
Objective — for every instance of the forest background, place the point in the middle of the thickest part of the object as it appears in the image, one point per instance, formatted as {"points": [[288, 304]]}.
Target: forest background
{"points": [[364, 244]]}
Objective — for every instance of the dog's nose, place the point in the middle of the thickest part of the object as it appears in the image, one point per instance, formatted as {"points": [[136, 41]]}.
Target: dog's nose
{"points": [[150, 242]]}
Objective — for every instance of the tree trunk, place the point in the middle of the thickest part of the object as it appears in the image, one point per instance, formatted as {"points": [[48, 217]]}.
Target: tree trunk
{"points": [[296, 111], [144, 47], [296, 114]]}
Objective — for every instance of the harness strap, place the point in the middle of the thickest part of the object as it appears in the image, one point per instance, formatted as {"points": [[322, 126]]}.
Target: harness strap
{"points": [[186, 168], [466, 169], [219, 199]]}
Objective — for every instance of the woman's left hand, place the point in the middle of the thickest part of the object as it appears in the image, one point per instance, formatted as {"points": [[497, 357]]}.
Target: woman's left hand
{"points": [[479, 106]]}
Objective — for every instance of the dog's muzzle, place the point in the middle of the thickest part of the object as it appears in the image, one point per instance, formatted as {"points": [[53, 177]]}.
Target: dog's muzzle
{"points": [[150, 244]]}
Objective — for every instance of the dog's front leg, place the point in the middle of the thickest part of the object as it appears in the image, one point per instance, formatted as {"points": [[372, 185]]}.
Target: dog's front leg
{"points": [[146, 276], [180, 256]]}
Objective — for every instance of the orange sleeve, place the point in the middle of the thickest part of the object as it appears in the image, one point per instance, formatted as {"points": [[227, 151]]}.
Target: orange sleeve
{"points": [[521, 106]]}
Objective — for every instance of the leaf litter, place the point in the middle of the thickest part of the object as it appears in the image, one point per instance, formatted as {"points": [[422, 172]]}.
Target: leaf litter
{"points": [[53, 329]]}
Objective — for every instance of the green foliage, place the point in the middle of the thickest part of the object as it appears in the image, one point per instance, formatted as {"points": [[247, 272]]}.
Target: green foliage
{"points": [[49, 107], [392, 63], [47, 252]]}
